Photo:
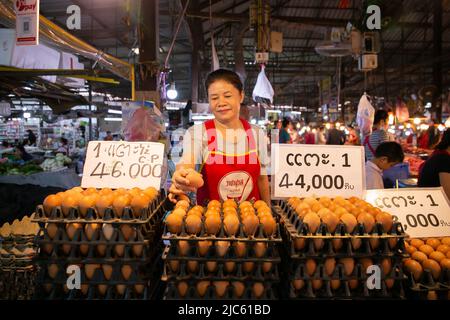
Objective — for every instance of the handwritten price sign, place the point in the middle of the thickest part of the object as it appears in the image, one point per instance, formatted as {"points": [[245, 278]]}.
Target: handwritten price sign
{"points": [[120, 164], [313, 170], [422, 212]]}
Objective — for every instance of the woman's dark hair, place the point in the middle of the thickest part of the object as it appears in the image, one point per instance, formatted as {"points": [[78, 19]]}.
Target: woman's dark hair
{"points": [[225, 75], [445, 141], [380, 115], [285, 122]]}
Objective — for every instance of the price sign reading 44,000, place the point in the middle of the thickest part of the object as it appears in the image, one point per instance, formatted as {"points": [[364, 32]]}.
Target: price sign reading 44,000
{"points": [[116, 164], [301, 170]]}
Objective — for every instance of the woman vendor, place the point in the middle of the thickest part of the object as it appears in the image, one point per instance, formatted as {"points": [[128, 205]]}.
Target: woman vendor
{"points": [[230, 153]]}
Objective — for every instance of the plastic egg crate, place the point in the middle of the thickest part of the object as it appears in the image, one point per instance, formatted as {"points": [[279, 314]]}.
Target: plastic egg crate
{"points": [[420, 288], [250, 290], [342, 284], [301, 243], [17, 284], [222, 235], [16, 252]]}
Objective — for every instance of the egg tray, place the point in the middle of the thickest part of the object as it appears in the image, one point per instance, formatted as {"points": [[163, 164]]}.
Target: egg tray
{"points": [[361, 292], [427, 283], [257, 274], [269, 292], [92, 216], [18, 239], [298, 229], [173, 253], [15, 263], [17, 283]]}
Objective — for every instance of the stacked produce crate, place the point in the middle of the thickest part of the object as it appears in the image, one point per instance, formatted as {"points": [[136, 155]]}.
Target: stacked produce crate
{"points": [[428, 269], [223, 251], [111, 239], [17, 250], [340, 248]]}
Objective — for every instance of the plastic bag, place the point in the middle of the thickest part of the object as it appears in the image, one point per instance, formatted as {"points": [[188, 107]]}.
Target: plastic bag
{"points": [[263, 89], [365, 116], [401, 111], [141, 122]]}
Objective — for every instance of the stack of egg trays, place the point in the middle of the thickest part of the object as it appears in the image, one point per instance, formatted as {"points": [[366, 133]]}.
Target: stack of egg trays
{"points": [[271, 278], [390, 245], [147, 227], [17, 272], [419, 289]]}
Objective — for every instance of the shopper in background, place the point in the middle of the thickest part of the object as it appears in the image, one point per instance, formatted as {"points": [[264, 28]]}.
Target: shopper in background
{"points": [[284, 134], [31, 138], [63, 146], [109, 136], [435, 172], [387, 155], [21, 154], [379, 134], [321, 136], [433, 136], [335, 136]]}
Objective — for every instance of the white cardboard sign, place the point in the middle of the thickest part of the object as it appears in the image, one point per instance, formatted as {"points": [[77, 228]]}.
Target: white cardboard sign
{"points": [[121, 164], [423, 212], [27, 22], [317, 170]]}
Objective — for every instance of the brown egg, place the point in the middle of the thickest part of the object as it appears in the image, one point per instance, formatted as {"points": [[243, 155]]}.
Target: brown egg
{"points": [[193, 224], [386, 266], [445, 263], [434, 243], [433, 267], [174, 265], [239, 288], [258, 289], [137, 249], [89, 270], [244, 204], [264, 211], [317, 284], [335, 284], [51, 202], [84, 288], [349, 265], [102, 203], [267, 266], [120, 203], [181, 212], [194, 212], [174, 223], [84, 249], [198, 208], [366, 263], [230, 266], [299, 243], [183, 197], [446, 241], [182, 288], [52, 230], [153, 193], [325, 201], [437, 255], [250, 223], [203, 247], [419, 256], [52, 270], [102, 288], [71, 229], [356, 243], [389, 283], [202, 286], [374, 243], [443, 248], [318, 244], [120, 288], [213, 224], [313, 222], [192, 266], [108, 231], [107, 271], [183, 247], [386, 220], [409, 248], [195, 179], [331, 220], [269, 225], [66, 248], [448, 254], [310, 201], [85, 203], [248, 266], [329, 266], [101, 250], [353, 284], [211, 266], [119, 249], [68, 203], [139, 288], [367, 220], [260, 249], [128, 232], [222, 248], [426, 249], [214, 203], [229, 209], [139, 202], [220, 287], [259, 203], [417, 243], [48, 248], [126, 271], [231, 225], [310, 267], [212, 213], [240, 249], [90, 229], [302, 209], [414, 268], [316, 207], [337, 244], [298, 284]]}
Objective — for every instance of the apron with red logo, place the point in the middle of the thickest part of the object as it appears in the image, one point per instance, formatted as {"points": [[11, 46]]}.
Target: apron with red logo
{"points": [[229, 176]]}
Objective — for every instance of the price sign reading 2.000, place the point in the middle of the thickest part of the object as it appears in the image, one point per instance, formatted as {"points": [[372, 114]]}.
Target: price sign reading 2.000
{"points": [[312, 170], [121, 164], [423, 212]]}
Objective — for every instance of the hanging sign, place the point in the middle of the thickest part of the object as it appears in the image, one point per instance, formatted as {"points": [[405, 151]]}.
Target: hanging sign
{"points": [[27, 22], [121, 164], [423, 212], [313, 170]]}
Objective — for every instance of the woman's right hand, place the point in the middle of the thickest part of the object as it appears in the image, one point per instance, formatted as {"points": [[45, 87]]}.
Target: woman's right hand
{"points": [[180, 185]]}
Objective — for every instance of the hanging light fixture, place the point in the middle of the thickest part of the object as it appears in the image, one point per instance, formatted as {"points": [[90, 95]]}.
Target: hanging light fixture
{"points": [[172, 93]]}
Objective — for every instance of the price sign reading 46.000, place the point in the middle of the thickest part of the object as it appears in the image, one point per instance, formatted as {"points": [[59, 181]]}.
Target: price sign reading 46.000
{"points": [[121, 164], [312, 170], [423, 213]]}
